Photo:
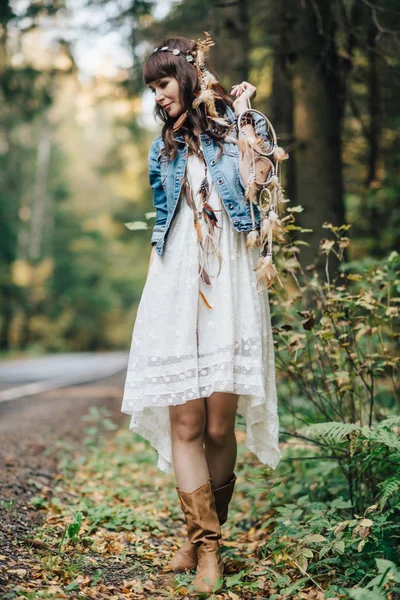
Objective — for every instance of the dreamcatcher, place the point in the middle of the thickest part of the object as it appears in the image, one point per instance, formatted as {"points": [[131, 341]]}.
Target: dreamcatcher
{"points": [[258, 146]]}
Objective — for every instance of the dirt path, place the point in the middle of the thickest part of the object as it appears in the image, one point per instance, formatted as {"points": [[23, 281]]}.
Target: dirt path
{"points": [[34, 432]]}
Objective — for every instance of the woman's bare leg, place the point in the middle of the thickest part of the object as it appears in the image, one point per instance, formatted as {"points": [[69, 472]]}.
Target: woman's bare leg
{"points": [[220, 440], [188, 422]]}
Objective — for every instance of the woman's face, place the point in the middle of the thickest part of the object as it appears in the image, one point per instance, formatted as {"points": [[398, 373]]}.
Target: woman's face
{"points": [[166, 92]]}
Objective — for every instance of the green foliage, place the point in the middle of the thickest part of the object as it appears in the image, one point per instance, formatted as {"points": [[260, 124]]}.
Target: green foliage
{"points": [[337, 353], [71, 530], [38, 502], [74, 527], [321, 537], [337, 347], [8, 505]]}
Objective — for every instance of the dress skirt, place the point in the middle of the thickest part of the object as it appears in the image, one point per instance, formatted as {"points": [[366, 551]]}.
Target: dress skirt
{"points": [[182, 349]]}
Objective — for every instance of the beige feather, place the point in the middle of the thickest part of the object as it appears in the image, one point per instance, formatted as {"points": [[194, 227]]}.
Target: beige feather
{"points": [[253, 239], [252, 192], [266, 272], [221, 121], [206, 97], [209, 78], [272, 223], [245, 143]]}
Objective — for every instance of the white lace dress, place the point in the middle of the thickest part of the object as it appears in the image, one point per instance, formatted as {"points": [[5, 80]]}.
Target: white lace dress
{"points": [[182, 350]]}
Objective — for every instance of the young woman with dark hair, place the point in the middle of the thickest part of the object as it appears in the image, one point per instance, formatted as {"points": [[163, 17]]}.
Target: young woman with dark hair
{"points": [[202, 347]]}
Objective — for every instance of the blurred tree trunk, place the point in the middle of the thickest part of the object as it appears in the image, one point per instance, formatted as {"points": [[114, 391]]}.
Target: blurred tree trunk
{"points": [[317, 118], [232, 34], [282, 97], [375, 172], [375, 105], [40, 206]]}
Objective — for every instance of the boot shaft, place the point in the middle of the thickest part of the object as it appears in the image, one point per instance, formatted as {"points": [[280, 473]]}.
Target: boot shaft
{"points": [[200, 513], [223, 496]]}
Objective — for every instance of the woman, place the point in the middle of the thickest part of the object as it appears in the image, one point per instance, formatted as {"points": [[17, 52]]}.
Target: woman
{"points": [[202, 345]]}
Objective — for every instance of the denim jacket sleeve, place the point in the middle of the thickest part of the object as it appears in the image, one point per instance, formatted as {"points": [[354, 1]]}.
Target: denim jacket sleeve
{"points": [[159, 197], [231, 117]]}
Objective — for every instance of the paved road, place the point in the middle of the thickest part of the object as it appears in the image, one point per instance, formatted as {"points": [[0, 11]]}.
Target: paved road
{"points": [[30, 376]]}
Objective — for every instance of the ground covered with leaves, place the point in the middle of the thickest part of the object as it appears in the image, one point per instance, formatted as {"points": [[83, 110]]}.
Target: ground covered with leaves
{"points": [[87, 514], [110, 521], [95, 518]]}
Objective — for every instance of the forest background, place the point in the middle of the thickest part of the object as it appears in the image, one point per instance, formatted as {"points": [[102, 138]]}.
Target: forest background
{"points": [[76, 123]]}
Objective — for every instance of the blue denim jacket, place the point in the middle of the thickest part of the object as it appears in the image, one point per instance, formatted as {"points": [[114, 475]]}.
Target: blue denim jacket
{"points": [[166, 175]]}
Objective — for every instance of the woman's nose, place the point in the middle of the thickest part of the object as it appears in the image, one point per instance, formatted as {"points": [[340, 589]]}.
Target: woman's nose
{"points": [[159, 96]]}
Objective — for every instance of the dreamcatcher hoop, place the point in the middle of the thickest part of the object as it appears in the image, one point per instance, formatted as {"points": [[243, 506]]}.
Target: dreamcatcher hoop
{"points": [[265, 174], [267, 138], [257, 142]]}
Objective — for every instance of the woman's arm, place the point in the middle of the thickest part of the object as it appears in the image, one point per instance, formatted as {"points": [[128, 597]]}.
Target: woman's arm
{"points": [[159, 197], [243, 93]]}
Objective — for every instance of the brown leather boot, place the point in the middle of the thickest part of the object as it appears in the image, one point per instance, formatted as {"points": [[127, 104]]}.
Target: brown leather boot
{"points": [[204, 531], [186, 557], [223, 496]]}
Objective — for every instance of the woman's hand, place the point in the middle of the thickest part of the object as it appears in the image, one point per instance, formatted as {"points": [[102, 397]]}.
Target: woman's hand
{"points": [[244, 92]]}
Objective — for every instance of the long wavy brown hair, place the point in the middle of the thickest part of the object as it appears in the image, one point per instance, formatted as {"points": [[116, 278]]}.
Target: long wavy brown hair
{"points": [[167, 64]]}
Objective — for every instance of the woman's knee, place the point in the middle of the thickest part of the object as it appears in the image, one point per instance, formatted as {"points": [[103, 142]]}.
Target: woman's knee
{"points": [[188, 426], [219, 434]]}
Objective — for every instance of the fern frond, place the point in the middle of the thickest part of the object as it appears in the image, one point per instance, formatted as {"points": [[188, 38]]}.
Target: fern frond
{"points": [[389, 422], [333, 431], [385, 436], [337, 432], [390, 486]]}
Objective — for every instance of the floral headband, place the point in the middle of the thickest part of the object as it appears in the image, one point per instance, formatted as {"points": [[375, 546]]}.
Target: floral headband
{"points": [[176, 51]]}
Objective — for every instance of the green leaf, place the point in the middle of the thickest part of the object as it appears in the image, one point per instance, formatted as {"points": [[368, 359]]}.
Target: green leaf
{"points": [[323, 551], [385, 565], [136, 225], [71, 587], [234, 579], [38, 502], [333, 431], [339, 546], [314, 537], [218, 584]]}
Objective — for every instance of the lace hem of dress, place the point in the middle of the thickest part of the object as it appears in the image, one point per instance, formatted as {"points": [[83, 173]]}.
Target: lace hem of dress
{"points": [[262, 425], [185, 378]]}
